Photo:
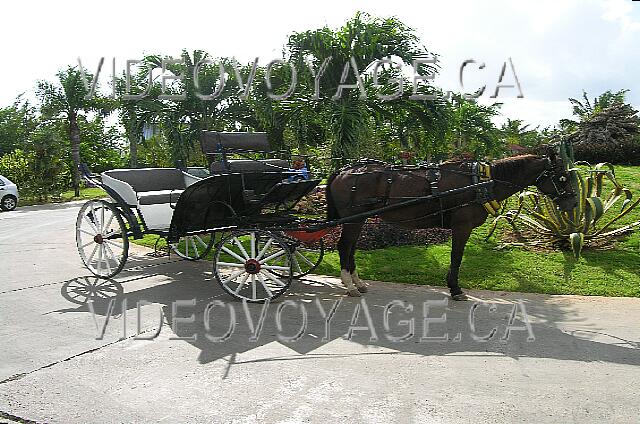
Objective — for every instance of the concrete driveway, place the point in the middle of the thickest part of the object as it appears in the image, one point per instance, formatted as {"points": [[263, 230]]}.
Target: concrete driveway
{"points": [[566, 358]]}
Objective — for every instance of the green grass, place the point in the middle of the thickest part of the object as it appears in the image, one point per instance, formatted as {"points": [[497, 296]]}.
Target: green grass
{"points": [[603, 272], [67, 196]]}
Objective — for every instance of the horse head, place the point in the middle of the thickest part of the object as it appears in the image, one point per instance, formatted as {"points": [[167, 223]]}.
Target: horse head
{"points": [[555, 181]]}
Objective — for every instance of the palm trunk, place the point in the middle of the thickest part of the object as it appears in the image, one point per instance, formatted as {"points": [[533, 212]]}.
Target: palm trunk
{"points": [[133, 149], [74, 137]]}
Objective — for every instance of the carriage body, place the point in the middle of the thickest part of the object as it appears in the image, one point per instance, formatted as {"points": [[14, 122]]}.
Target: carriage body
{"points": [[244, 204]]}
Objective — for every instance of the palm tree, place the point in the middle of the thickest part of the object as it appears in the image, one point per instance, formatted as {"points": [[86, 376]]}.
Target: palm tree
{"points": [[134, 114], [471, 129], [184, 120], [67, 100], [365, 39], [584, 109]]}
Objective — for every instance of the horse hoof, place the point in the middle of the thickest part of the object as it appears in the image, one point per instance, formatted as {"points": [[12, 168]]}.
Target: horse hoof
{"points": [[353, 293], [459, 296], [363, 289]]}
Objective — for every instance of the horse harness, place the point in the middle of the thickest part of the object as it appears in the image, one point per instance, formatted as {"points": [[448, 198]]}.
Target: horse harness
{"points": [[480, 172]]}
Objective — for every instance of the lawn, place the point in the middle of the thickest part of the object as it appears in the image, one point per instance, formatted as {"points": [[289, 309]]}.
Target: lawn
{"points": [[486, 265], [67, 196], [603, 272]]}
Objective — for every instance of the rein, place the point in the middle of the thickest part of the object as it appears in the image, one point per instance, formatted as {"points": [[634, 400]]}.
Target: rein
{"points": [[480, 172]]}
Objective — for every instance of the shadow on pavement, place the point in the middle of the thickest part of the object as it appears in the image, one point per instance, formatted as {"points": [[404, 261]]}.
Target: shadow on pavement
{"points": [[284, 319]]}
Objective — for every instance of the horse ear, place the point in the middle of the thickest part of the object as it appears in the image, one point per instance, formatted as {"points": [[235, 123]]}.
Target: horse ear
{"points": [[542, 149], [551, 152]]}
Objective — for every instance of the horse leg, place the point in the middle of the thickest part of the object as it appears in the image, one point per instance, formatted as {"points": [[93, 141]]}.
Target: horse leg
{"points": [[459, 238], [360, 285], [346, 250]]}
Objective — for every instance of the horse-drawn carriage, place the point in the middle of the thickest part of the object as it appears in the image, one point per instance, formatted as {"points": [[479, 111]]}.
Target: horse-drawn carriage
{"points": [[242, 211]]}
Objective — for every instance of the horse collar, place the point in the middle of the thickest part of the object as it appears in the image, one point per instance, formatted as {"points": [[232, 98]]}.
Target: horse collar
{"points": [[482, 172]]}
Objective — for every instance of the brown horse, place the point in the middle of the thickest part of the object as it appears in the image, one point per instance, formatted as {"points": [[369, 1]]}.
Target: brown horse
{"points": [[365, 187]]}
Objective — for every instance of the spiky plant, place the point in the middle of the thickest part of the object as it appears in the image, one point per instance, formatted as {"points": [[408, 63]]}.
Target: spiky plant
{"points": [[591, 221]]}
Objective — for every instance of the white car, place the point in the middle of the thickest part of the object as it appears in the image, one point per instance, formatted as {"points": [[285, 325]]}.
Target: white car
{"points": [[8, 194]]}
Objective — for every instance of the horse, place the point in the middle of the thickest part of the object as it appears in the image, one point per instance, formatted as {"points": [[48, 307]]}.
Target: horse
{"points": [[364, 187]]}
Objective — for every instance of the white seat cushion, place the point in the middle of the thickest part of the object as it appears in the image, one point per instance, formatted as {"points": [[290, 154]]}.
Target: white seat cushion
{"points": [[158, 196]]}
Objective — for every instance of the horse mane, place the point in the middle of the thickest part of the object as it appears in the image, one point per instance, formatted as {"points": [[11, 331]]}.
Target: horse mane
{"points": [[505, 169]]}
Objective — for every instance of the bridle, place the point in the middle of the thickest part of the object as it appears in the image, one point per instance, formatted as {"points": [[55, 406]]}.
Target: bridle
{"points": [[551, 173]]}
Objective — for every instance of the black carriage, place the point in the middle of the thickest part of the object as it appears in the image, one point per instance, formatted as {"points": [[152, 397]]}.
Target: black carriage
{"points": [[242, 211]]}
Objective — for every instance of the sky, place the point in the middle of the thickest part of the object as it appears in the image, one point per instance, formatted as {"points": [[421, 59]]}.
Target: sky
{"points": [[558, 47]]}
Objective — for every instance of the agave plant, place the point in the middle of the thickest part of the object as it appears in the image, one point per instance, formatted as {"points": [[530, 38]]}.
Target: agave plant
{"points": [[591, 221]]}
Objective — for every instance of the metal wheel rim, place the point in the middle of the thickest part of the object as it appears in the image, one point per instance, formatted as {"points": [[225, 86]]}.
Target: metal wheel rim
{"points": [[235, 251], [193, 247], [107, 257], [9, 203]]}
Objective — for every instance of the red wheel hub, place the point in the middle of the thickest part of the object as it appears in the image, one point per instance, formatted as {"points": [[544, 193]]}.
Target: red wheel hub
{"points": [[98, 238], [252, 266]]}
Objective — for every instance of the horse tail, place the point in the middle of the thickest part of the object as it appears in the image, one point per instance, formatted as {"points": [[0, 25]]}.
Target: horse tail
{"points": [[332, 211]]}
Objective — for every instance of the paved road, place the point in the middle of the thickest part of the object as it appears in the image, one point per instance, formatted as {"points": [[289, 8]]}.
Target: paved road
{"points": [[582, 366]]}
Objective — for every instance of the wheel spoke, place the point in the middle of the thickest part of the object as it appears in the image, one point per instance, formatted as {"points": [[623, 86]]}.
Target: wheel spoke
{"points": [[108, 224], [99, 264], [114, 244], [102, 220], [87, 244], [232, 276], [231, 264], [113, 256], [297, 265], [91, 224], [273, 256], [95, 248], [201, 241], [241, 247], [86, 232], [252, 241], [95, 218], [254, 287], [273, 278], [264, 249], [232, 253], [243, 280], [106, 260], [304, 258], [195, 247], [278, 268], [266, 288]]}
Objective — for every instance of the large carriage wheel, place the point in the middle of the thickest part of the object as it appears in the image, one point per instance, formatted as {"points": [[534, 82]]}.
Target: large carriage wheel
{"points": [[253, 265], [193, 247], [307, 256], [101, 237]]}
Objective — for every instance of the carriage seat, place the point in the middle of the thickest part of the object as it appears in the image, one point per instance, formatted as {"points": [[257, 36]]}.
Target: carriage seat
{"points": [[155, 197], [151, 186], [249, 165]]}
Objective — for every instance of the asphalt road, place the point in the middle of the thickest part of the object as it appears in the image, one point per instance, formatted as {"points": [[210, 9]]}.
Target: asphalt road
{"points": [[577, 360]]}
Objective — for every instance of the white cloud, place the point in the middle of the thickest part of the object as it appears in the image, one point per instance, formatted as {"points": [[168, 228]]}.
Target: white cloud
{"points": [[558, 47]]}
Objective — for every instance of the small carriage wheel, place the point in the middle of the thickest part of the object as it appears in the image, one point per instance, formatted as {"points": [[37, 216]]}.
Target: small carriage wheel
{"points": [[101, 237], [307, 256], [246, 262], [193, 247]]}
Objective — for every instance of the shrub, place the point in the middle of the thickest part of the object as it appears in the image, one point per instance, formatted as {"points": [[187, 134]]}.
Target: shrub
{"points": [[375, 233], [15, 166], [623, 153], [598, 195]]}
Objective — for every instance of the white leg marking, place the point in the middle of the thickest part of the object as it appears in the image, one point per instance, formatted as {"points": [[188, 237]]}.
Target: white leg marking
{"points": [[348, 283], [356, 279]]}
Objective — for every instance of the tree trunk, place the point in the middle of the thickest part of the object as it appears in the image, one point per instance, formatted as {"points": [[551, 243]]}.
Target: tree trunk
{"points": [[133, 149], [74, 138]]}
